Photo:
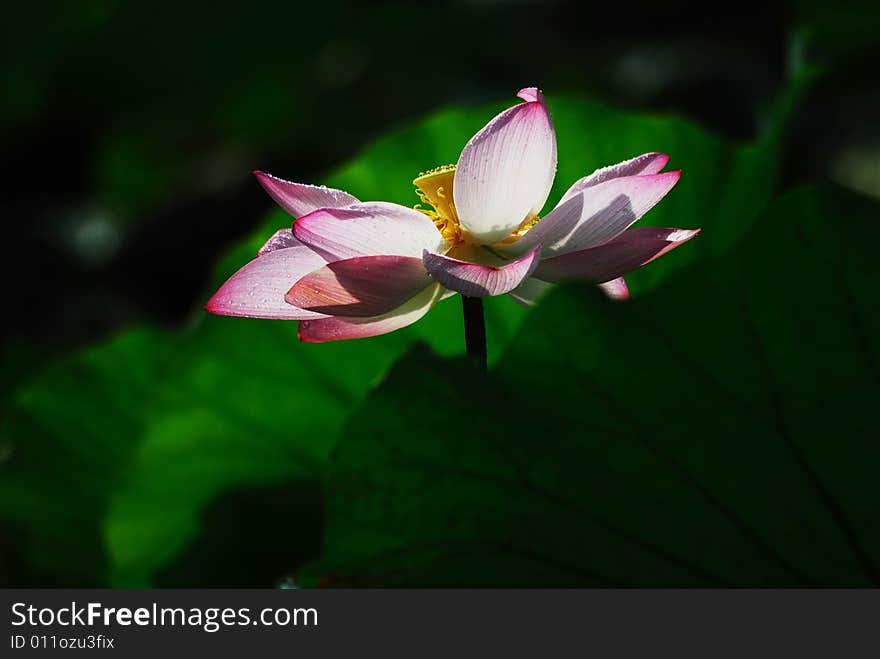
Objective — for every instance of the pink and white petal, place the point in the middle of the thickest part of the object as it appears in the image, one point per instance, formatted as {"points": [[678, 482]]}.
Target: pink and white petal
{"points": [[478, 280], [616, 289], [257, 290], [338, 328], [626, 253], [281, 239], [647, 163], [359, 287], [300, 199], [596, 215], [530, 291], [532, 95], [505, 171], [368, 229]]}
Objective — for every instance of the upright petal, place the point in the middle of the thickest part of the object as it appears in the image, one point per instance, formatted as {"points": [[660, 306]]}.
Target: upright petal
{"points": [[298, 198], [338, 328], [258, 289], [362, 286], [647, 163], [506, 170], [477, 280], [596, 215], [613, 259], [368, 229]]}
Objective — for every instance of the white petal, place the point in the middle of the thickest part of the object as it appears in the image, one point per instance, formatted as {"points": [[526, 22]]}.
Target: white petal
{"points": [[616, 289], [596, 215], [368, 229], [300, 199], [478, 280], [647, 163], [531, 291], [506, 170], [257, 290], [338, 328]]}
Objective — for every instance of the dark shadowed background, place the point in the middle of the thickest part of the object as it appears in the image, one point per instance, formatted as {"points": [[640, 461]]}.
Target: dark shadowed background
{"points": [[129, 132]]}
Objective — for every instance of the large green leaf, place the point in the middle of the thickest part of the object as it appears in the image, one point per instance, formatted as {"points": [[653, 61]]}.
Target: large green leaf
{"points": [[719, 431], [127, 442], [117, 451]]}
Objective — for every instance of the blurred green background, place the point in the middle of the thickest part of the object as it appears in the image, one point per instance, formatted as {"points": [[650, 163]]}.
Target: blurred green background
{"points": [[718, 429]]}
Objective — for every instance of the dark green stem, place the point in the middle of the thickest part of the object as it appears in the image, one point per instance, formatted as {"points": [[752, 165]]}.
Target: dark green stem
{"points": [[474, 329]]}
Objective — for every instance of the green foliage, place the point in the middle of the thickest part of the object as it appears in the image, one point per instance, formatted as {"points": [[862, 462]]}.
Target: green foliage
{"points": [[116, 453], [717, 432]]}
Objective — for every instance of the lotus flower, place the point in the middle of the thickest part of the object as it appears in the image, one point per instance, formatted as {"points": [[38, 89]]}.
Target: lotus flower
{"points": [[351, 269]]}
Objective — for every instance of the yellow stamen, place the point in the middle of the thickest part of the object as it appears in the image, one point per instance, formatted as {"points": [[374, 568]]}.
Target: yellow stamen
{"points": [[434, 188], [527, 224]]}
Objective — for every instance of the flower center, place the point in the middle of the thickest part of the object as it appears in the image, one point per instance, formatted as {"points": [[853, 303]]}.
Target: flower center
{"points": [[434, 188]]}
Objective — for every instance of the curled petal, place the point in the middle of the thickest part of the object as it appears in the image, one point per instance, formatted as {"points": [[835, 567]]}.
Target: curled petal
{"points": [[616, 289], [596, 215], [627, 252], [258, 289], [338, 328], [477, 280], [647, 163], [298, 198], [505, 171], [368, 229], [362, 286]]}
